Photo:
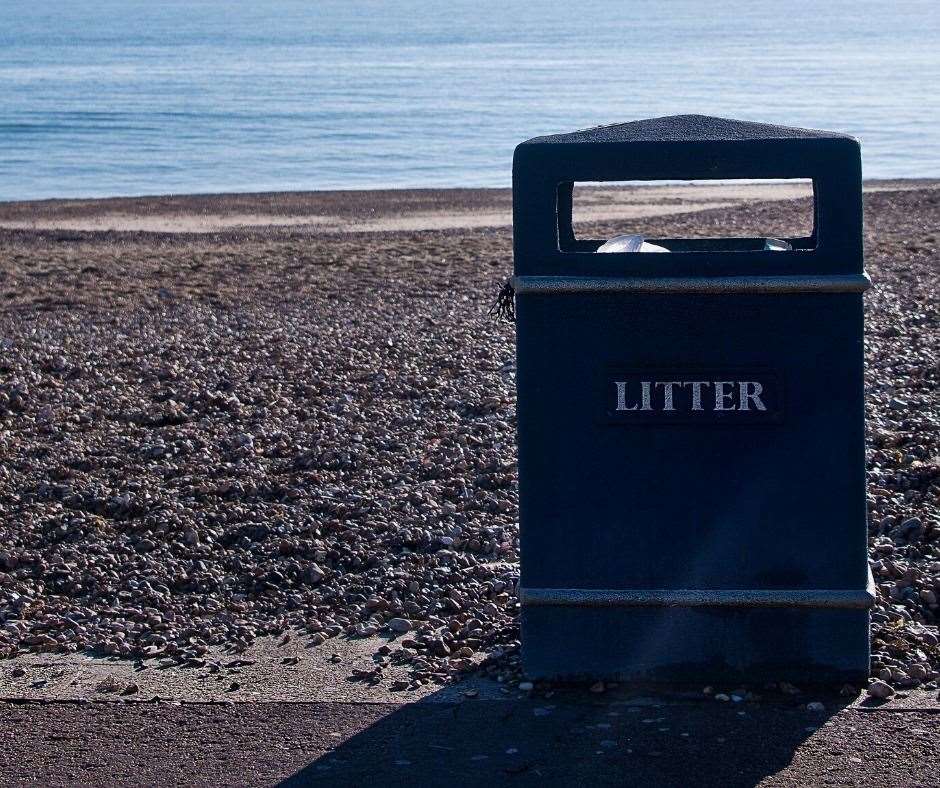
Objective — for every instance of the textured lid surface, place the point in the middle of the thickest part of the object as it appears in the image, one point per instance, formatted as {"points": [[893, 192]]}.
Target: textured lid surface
{"points": [[684, 128]]}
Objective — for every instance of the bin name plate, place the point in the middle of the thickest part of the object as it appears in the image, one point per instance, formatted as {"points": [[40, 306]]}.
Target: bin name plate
{"points": [[710, 395]]}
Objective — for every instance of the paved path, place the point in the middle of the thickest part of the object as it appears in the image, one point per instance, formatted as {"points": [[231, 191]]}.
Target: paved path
{"points": [[529, 742], [282, 713]]}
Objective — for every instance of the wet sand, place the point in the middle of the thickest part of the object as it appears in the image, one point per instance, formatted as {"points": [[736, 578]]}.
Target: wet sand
{"points": [[384, 211]]}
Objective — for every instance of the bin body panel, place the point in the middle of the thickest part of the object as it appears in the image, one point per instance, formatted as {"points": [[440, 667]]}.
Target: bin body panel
{"points": [[768, 505], [691, 505]]}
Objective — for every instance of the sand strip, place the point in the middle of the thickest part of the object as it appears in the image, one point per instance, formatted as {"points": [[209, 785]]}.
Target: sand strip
{"points": [[408, 210]]}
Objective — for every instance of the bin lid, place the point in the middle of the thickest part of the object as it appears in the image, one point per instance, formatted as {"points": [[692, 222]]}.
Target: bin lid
{"points": [[686, 147], [684, 128]]}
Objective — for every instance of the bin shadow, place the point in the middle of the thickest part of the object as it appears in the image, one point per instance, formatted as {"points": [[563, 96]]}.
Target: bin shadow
{"points": [[570, 739]]}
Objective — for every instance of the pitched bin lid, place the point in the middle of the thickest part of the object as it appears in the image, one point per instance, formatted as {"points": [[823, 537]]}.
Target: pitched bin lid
{"points": [[684, 128]]}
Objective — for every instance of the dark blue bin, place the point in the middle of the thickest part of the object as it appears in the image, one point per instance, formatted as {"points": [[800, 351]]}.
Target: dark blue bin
{"points": [[691, 438]]}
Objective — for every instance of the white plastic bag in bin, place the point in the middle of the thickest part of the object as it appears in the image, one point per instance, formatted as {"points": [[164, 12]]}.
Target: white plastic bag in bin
{"points": [[629, 243], [635, 243]]}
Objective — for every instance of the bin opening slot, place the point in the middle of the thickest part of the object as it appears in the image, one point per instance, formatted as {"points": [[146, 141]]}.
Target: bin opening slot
{"points": [[753, 216]]}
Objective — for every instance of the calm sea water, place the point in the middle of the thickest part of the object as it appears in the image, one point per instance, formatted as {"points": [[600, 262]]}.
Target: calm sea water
{"points": [[108, 97]]}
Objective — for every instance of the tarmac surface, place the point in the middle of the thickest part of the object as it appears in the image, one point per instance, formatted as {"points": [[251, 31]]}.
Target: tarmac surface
{"points": [[528, 742]]}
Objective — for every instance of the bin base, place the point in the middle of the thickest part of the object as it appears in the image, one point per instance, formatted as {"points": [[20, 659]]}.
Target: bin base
{"points": [[695, 644]]}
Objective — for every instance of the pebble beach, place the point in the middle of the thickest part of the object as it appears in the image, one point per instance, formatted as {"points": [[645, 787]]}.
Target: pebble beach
{"points": [[216, 427]]}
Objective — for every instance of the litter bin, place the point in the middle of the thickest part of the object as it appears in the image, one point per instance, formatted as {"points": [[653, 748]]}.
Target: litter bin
{"points": [[690, 424]]}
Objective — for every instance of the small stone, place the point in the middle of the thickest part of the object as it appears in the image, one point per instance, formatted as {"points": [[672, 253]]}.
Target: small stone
{"points": [[917, 673], [526, 686], [878, 689], [399, 625], [722, 697], [108, 684], [598, 687], [815, 706], [17, 672]]}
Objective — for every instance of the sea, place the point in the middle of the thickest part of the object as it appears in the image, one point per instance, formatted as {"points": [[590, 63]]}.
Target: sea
{"points": [[122, 97]]}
